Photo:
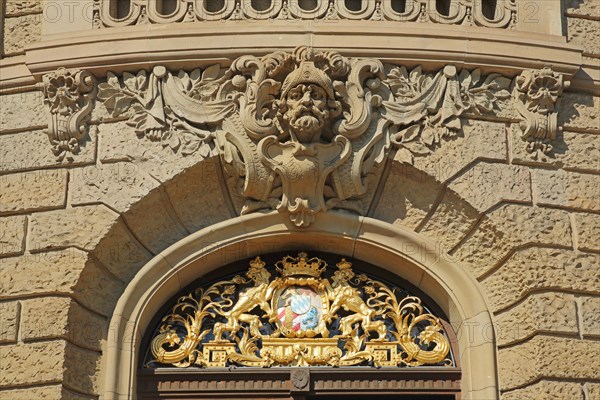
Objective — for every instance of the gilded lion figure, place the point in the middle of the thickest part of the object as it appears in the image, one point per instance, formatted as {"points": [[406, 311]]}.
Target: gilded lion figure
{"points": [[348, 298], [256, 296]]}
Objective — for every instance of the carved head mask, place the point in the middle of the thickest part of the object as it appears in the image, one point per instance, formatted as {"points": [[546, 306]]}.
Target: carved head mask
{"points": [[307, 103]]}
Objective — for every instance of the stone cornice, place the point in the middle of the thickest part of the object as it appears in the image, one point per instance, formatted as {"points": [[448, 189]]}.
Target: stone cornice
{"points": [[176, 45]]}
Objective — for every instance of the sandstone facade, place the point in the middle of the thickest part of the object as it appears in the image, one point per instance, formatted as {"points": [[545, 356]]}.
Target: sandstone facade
{"points": [[82, 214]]}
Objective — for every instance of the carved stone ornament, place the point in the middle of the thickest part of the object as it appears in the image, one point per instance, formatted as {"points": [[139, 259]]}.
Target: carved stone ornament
{"points": [[536, 94], [300, 318], [460, 12], [302, 132], [69, 95]]}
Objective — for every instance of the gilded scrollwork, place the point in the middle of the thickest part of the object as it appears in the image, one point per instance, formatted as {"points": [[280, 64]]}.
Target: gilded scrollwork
{"points": [[304, 317]]}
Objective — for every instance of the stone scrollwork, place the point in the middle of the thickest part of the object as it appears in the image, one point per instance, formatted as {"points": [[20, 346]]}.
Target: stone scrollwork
{"points": [[296, 319], [306, 131], [536, 96], [69, 96]]}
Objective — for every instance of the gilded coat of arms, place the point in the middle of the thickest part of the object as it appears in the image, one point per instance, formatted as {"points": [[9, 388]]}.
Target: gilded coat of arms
{"points": [[306, 316]]}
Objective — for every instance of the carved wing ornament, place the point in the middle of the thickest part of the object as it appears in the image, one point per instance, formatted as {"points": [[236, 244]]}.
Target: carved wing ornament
{"points": [[306, 131], [308, 315]]}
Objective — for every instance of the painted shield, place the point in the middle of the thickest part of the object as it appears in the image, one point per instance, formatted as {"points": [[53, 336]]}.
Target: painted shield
{"points": [[299, 309]]}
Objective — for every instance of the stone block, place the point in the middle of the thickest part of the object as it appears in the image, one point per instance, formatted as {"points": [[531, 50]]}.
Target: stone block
{"points": [[580, 111], [484, 185], [540, 312], [593, 391], [549, 357], [554, 269], [33, 191], [61, 318], [49, 362], [9, 321], [590, 316], [82, 227], [31, 151], [451, 221], [120, 143], [82, 369], [508, 227], [588, 231], [567, 189], [408, 195], [66, 272], [92, 228], [159, 231], [50, 392], [572, 151], [586, 8], [22, 7], [480, 140], [20, 31], [12, 235], [582, 152], [23, 111], [547, 390], [32, 363], [117, 185], [584, 33], [198, 196]]}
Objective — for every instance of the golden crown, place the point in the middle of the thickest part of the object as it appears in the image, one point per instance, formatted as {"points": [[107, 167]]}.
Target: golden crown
{"points": [[301, 265]]}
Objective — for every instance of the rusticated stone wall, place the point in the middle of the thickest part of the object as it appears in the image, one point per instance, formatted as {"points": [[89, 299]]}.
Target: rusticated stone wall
{"points": [[72, 235], [22, 25]]}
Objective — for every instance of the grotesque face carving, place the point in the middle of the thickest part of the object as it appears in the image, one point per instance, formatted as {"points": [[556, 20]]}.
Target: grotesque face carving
{"points": [[307, 112], [307, 104]]}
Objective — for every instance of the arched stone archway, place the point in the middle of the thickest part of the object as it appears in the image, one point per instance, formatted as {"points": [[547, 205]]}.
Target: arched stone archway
{"points": [[399, 250]]}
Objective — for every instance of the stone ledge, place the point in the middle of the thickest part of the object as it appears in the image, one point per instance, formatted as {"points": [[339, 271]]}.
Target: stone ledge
{"points": [[213, 42]]}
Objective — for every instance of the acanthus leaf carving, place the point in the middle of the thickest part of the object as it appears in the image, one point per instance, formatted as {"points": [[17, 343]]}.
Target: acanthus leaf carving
{"points": [[306, 131], [536, 96], [69, 96]]}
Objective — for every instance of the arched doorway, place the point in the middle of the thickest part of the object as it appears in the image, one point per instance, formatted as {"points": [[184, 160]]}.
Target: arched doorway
{"points": [[304, 327], [399, 251]]}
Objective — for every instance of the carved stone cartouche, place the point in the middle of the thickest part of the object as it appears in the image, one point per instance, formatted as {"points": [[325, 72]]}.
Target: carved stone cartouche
{"points": [[308, 131]]}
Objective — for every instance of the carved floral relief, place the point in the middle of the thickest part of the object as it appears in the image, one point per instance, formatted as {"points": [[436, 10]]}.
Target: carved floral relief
{"points": [[69, 96], [307, 131], [536, 94]]}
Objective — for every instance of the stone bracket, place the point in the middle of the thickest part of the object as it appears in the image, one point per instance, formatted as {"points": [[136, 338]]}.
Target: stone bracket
{"points": [[69, 96]]}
